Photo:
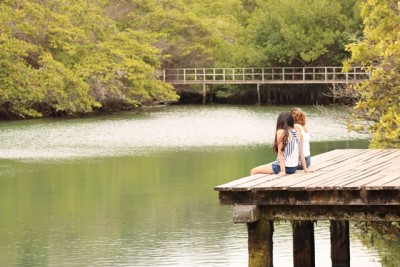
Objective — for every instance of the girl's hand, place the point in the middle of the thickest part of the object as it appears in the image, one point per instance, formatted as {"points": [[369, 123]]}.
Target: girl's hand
{"points": [[282, 173]]}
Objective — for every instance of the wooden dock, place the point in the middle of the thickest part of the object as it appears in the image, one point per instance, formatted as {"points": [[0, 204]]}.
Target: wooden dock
{"points": [[347, 185]]}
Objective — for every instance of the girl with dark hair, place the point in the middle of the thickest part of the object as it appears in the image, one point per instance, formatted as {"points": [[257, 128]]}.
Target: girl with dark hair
{"points": [[286, 145]]}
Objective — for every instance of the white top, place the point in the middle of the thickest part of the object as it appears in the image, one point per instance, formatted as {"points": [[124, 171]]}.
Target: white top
{"points": [[306, 142]]}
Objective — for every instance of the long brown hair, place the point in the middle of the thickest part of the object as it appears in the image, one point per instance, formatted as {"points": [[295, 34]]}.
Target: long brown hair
{"points": [[284, 121]]}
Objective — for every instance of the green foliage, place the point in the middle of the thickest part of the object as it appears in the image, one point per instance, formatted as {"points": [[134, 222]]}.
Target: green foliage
{"points": [[225, 20], [69, 57], [384, 237], [289, 31], [184, 39], [378, 109]]}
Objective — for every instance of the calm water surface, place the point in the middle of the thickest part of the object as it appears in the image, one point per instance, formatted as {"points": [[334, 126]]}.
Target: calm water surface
{"points": [[136, 189]]}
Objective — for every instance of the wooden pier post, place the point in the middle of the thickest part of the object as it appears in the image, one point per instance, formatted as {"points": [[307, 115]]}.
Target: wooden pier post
{"points": [[260, 231], [258, 94], [303, 244], [340, 243], [260, 245]]}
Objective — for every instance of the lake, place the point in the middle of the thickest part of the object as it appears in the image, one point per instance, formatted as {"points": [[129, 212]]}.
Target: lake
{"points": [[136, 188]]}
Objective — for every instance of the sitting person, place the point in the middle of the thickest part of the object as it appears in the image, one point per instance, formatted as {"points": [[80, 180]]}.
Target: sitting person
{"points": [[286, 145], [299, 117]]}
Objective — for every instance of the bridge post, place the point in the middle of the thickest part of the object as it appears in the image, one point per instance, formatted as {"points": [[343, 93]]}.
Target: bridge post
{"points": [[334, 92], [326, 73], [204, 93], [258, 94], [262, 71]]}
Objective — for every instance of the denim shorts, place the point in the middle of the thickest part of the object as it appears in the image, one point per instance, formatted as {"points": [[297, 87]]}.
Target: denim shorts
{"points": [[289, 170], [308, 162]]}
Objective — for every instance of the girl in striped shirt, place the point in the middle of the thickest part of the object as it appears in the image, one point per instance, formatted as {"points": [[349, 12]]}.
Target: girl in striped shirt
{"points": [[286, 145]]}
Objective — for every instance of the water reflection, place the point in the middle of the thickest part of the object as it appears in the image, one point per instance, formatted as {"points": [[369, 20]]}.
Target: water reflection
{"points": [[162, 129]]}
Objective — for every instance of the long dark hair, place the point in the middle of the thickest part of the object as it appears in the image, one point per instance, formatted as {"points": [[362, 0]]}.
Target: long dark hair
{"points": [[284, 121]]}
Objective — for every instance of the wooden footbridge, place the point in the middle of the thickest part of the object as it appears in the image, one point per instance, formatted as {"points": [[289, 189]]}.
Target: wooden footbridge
{"points": [[283, 75], [348, 185], [259, 76]]}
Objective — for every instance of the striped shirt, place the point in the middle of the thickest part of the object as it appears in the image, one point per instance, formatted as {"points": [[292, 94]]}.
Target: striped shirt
{"points": [[291, 153]]}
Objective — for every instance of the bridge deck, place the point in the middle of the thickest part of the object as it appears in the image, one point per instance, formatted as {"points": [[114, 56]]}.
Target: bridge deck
{"points": [[283, 75]]}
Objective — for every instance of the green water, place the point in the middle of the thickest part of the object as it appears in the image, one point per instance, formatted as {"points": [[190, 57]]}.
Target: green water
{"points": [[136, 189]]}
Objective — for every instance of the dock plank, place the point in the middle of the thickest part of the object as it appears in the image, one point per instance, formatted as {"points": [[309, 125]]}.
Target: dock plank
{"points": [[376, 177], [394, 184], [251, 184], [385, 176], [341, 169], [275, 184], [320, 182], [342, 160], [381, 160], [238, 182]]}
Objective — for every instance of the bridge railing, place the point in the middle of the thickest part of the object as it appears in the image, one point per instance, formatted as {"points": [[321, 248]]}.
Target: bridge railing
{"points": [[277, 75]]}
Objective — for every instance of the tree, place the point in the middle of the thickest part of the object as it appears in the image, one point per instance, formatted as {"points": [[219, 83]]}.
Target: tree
{"points": [[32, 80], [66, 57], [291, 32], [184, 39], [377, 110]]}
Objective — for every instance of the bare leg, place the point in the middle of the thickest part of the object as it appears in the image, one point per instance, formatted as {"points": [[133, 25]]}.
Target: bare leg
{"points": [[266, 168]]}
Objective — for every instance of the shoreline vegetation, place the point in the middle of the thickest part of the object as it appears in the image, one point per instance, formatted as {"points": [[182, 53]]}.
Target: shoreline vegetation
{"points": [[283, 95], [70, 59]]}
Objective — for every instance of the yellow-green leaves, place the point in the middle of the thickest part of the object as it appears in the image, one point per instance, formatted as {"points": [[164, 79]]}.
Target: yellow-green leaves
{"points": [[68, 57], [378, 108], [287, 31]]}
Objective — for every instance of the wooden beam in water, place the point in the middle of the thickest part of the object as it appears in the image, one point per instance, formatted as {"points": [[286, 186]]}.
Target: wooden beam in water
{"points": [[303, 244], [340, 243], [260, 244]]}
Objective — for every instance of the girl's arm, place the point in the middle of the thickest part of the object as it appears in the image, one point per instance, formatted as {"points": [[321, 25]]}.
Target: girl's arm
{"points": [[279, 135]]}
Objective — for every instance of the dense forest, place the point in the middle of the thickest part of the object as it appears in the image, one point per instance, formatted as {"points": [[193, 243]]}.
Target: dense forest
{"points": [[69, 58], [62, 57]]}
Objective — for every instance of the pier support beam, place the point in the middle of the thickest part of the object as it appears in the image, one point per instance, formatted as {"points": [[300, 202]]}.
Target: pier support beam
{"points": [[258, 94], [260, 246], [340, 243], [303, 244]]}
